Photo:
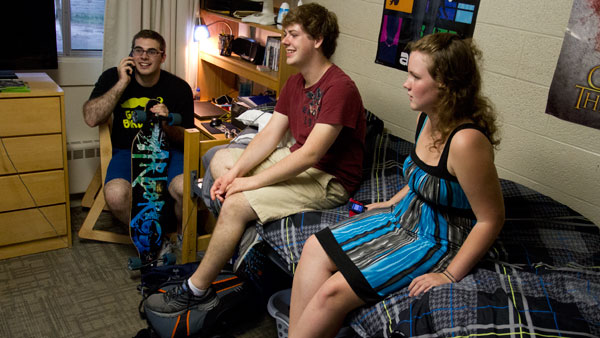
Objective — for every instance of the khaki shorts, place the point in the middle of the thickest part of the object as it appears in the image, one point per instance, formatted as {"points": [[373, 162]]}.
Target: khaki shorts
{"points": [[313, 189]]}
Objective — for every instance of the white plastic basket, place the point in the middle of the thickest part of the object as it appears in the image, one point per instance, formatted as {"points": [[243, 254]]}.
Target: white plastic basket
{"points": [[279, 308]]}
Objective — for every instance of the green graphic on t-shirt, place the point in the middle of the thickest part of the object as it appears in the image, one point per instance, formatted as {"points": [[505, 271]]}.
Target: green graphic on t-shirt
{"points": [[132, 104]]}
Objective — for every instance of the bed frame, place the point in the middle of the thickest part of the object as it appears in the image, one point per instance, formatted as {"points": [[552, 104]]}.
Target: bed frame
{"points": [[194, 148]]}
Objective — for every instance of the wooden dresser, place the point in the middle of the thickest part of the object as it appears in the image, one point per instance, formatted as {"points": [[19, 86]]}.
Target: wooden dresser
{"points": [[34, 184]]}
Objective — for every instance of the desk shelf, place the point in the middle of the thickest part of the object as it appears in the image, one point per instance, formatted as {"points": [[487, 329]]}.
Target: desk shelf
{"points": [[235, 64], [217, 73]]}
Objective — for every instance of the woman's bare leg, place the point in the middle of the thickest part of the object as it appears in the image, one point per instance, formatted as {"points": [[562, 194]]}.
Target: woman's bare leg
{"points": [[324, 314], [321, 296]]}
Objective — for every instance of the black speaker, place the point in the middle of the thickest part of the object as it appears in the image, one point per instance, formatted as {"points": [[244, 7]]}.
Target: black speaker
{"points": [[248, 49], [233, 5]]}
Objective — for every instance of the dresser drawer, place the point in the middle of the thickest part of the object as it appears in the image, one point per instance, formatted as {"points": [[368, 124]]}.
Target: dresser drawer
{"points": [[27, 225], [29, 116], [31, 153], [46, 187]]}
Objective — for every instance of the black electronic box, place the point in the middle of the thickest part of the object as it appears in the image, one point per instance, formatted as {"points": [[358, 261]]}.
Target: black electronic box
{"points": [[248, 49], [231, 6]]}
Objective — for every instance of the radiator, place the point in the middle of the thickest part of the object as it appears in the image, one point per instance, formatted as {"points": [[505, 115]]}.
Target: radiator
{"points": [[83, 160]]}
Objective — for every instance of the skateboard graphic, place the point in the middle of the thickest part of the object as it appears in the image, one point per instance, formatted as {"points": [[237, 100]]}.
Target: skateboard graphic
{"points": [[149, 163]]}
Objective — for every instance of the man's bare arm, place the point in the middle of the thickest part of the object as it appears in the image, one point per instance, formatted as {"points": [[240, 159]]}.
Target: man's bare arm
{"points": [[99, 109]]}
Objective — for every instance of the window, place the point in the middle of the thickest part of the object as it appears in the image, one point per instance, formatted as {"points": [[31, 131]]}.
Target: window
{"points": [[79, 27]]}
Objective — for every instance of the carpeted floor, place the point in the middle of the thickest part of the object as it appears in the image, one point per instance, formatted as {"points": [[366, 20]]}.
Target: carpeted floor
{"points": [[84, 291]]}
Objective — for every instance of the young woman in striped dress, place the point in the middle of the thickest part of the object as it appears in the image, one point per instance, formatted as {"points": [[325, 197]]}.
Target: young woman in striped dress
{"points": [[435, 229]]}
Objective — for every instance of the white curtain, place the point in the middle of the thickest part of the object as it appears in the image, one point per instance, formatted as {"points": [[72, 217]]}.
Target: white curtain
{"points": [[173, 19]]}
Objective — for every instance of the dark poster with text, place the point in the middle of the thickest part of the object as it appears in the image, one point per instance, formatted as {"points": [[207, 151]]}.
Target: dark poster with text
{"points": [[575, 89], [404, 21]]}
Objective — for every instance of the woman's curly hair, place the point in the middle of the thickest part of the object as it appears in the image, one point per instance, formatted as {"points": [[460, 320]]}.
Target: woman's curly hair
{"points": [[455, 66]]}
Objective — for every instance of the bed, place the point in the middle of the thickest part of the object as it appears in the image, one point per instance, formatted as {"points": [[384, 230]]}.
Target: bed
{"points": [[541, 277]]}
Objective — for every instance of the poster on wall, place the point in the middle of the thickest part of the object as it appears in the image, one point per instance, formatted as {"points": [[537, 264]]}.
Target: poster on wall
{"points": [[404, 21], [575, 90]]}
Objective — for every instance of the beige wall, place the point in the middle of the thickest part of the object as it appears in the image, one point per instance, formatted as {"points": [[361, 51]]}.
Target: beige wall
{"points": [[77, 76], [521, 41]]}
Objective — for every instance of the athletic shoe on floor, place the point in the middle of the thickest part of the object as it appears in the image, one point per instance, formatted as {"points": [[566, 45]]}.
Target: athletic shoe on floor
{"points": [[180, 299], [249, 239], [167, 247]]}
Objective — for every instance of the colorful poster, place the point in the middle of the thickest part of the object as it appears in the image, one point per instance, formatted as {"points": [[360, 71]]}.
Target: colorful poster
{"points": [[408, 20], [575, 90]]}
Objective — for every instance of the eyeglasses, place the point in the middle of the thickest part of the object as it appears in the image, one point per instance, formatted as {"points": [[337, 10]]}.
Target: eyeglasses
{"points": [[139, 51]]}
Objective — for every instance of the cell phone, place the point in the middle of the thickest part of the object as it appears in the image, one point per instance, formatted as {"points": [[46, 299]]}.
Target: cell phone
{"points": [[132, 73], [356, 207]]}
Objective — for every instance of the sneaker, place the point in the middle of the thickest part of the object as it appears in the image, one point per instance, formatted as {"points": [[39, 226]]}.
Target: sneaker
{"points": [[166, 248], [177, 246], [179, 240], [249, 239], [180, 299]]}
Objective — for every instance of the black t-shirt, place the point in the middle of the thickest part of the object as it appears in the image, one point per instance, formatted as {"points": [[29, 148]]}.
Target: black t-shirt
{"points": [[174, 92]]}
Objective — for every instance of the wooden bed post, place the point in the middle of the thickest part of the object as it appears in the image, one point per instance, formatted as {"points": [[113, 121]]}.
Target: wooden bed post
{"points": [[189, 218], [194, 149]]}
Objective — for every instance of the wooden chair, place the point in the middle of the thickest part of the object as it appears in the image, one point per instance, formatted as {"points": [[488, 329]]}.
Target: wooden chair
{"points": [[94, 195]]}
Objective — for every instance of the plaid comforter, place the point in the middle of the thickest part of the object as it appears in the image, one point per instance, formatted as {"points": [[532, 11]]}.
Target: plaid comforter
{"points": [[541, 278]]}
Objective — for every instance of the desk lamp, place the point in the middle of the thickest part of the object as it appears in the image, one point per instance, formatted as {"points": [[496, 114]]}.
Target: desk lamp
{"points": [[201, 31]]}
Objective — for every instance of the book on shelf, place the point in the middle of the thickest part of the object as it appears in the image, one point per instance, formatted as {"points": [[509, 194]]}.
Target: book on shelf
{"points": [[272, 48], [271, 56], [277, 61], [13, 86]]}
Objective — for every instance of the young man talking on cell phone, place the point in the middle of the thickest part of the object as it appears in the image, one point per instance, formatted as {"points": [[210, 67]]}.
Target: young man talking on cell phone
{"points": [[128, 87]]}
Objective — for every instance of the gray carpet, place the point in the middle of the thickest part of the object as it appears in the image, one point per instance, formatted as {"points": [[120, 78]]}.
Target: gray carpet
{"points": [[84, 291]]}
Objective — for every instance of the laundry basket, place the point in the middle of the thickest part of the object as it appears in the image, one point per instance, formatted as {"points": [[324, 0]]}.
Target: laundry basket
{"points": [[279, 308]]}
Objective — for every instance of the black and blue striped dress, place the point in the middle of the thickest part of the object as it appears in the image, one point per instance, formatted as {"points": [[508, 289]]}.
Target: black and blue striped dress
{"points": [[383, 250]]}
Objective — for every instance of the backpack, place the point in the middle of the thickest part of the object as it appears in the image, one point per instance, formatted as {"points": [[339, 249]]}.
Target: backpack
{"points": [[236, 300]]}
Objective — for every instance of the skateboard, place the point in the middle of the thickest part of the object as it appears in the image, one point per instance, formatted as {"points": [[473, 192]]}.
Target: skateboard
{"points": [[149, 163]]}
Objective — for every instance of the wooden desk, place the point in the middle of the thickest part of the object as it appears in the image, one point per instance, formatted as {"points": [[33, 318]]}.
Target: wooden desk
{"points": [[206, 135], [203, 112]]}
